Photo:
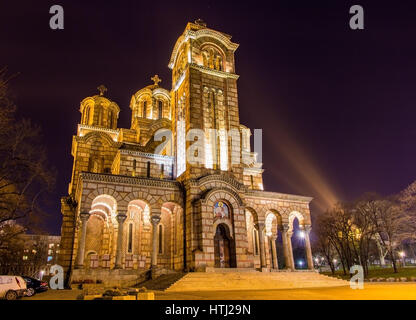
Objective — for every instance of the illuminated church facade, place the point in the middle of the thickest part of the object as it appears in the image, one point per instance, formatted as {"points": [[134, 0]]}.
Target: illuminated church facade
{"points": [[154, 197]]}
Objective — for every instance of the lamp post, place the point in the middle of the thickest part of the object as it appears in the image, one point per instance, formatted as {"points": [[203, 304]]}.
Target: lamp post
{"points": [[403, 256]]}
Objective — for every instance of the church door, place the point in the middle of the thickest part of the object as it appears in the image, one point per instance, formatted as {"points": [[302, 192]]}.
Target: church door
{"points": [[221, 247]]}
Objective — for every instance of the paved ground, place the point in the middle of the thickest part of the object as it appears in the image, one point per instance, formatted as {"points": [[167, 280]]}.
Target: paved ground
{"points": [[371, 291]]}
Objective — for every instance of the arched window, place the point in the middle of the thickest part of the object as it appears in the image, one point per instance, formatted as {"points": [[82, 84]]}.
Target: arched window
{"points": [[145, 109], [160, 239], [160, 107], [100, 117], [148, 169], [87, 116], [130, 239], [134, 167], [212, 58]]}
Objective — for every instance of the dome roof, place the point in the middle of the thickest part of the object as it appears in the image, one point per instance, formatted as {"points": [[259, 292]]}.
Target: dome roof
{"points": [[99, 99], [153, 89]]}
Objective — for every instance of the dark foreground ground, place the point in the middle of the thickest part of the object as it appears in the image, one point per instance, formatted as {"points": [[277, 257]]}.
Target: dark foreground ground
{"points": [[371, 291]]}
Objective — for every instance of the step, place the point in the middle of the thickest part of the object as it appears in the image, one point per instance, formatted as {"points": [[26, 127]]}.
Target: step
{"points": [[232, 280]]}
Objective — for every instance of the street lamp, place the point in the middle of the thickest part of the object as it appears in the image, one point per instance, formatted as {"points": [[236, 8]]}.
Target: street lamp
{"points": [[301, 234], [403, 256]]}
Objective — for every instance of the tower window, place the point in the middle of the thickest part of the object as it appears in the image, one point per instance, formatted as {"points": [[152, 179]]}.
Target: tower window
{"points": [[148, 169], [134, 167]]}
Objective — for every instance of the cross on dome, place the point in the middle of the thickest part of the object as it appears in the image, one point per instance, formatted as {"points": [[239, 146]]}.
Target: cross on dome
{"points": [[200, 22], [156, 79], [102, 89]]}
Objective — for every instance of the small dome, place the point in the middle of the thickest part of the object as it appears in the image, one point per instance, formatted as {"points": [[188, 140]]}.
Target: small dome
{"points": [[99, 111], [151, 103]]}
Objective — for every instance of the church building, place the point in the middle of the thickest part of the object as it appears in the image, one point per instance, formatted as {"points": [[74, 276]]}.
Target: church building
{"points": [[181, 189]]}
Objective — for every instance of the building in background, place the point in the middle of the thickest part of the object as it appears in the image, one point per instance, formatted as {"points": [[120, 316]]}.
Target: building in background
{"points": [[40, 253], [31, 255]]}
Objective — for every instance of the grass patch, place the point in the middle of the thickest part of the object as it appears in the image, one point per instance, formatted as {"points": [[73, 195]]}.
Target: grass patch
{"points": [[377, 272]]}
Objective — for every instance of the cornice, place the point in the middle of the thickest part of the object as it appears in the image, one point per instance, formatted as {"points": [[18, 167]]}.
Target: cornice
{"points": [[219, 177], [127, 180], [214, 72], [277, 196], [146, 154], [102, 129]]}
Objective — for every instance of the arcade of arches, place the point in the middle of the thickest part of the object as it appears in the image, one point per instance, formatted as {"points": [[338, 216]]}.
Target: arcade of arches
{"points": [[142, 231]]}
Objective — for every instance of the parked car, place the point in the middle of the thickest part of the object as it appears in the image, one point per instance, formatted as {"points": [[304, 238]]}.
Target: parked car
{"points": [[34, 286], [12, 287]]}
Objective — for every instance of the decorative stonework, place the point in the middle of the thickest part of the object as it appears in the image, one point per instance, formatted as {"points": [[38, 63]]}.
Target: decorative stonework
{"points": [[217, 73]]}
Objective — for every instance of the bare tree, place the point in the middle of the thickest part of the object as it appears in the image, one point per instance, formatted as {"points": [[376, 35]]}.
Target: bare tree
{"points": [[25, 176], [322, 240], [365, 229]]}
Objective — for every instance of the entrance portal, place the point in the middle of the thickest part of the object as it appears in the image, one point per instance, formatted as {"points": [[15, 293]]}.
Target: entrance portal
{"points": [[222, 247]]}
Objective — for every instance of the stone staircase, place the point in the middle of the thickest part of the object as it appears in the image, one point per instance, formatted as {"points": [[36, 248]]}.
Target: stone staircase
{"points": [[230, 280], [162, 282]]}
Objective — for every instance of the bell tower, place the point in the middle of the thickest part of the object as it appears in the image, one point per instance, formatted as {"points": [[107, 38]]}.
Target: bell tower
{"points": [[204, 97]]}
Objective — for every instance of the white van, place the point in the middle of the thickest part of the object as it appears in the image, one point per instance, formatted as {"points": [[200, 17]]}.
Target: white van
{"points": [[12, 287]]}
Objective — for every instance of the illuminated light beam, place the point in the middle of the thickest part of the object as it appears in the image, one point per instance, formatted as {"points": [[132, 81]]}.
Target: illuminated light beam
{"points": [[304, 168]]}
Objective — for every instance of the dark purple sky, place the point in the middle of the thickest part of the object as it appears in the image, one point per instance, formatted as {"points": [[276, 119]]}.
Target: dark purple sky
{"points": [[336, 106]]}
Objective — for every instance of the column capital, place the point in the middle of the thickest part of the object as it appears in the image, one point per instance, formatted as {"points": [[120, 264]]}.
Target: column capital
{"points": [[155, 220], [284, 227], [84, 216], [307, 228], [260, 226], [121, 218]]}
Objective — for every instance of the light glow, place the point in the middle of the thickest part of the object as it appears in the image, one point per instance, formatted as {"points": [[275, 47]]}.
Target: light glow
{"points": [[181, 148]]}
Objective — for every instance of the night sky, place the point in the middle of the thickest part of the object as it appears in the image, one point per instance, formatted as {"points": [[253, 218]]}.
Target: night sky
{"points": [[337, 106]]}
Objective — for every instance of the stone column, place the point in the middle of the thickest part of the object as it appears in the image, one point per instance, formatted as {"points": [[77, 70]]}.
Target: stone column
{"points": [[260, 228], [119, 251], [287, 246], [309, 258], [290, 249], [274, 253], [155, 222], [81, 243]]}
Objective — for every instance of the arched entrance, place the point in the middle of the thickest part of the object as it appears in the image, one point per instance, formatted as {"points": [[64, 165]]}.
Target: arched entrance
{"points": [[222, 247]]}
